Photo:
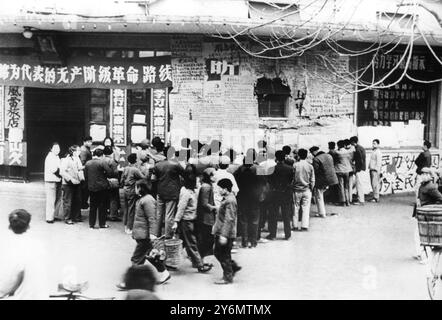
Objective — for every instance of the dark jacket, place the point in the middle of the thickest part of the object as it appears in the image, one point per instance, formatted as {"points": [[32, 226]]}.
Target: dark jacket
{"points": [[250, 184], [281, 178], [96, 173], [423, 161], [429, 194], [144, 221], [85, 154], [359, 158], [324, 170], [130, 176], [334, 155], [225, 223], [167, 174], [206, 209]]}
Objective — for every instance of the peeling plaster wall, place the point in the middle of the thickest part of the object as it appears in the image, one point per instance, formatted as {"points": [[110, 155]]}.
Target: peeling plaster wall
{"points": [[207, 105]]}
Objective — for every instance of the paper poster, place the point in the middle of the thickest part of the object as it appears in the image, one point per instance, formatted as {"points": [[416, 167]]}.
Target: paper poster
{"points": [[138, 133], [139, 118], [97, 132]]}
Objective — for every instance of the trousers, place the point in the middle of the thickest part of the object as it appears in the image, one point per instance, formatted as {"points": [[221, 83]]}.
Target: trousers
{"points": [[283, 201], [53, 200], [223, 253], [98, 204], [186, 230], [249, 220], [71, 202], [166, 210], [302, 201], [375, 183]]}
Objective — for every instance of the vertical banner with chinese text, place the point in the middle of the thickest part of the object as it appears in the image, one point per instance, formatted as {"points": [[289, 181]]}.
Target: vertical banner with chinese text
{"points": [[118, 116], [159, 113], [14, 107]]}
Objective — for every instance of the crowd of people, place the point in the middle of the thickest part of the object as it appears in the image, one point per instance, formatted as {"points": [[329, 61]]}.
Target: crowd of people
{"points": [[203, 194], [208, 200]]}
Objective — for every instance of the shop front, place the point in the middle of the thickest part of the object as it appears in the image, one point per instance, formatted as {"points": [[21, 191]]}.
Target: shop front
{"points": [[402, 113], [42, 103]]}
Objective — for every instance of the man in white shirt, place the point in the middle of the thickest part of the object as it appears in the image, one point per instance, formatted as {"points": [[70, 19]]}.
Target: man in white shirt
{"points": [[375, 169], [23, 271]]}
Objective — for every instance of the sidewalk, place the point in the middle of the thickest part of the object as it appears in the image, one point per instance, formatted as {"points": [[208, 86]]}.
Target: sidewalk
{"points": [[365, 252]]}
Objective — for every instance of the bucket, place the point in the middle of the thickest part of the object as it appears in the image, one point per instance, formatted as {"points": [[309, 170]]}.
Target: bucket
{"points": [[173, 248], [429, 220]]}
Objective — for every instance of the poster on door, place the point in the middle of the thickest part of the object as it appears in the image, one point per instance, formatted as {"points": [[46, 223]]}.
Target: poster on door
{"points": [[13, 154]]}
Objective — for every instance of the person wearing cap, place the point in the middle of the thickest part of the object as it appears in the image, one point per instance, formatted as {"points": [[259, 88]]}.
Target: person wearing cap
{"points": [[224, 231]]}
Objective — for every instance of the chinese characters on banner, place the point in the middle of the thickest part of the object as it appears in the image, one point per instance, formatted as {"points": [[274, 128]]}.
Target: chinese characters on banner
{"points": [[217, 68], [118, 116], [13, 154], [159, 114], [14, 107], [389, 61], [88, 73]]}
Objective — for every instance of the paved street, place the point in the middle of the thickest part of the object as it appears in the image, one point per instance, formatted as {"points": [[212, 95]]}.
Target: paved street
{"points": [[363, 253]]}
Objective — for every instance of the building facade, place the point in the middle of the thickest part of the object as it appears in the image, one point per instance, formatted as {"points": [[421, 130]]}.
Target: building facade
{"points": [[108, 78]]}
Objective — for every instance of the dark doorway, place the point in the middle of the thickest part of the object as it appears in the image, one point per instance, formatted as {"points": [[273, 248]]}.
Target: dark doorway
{"points": [[53, 115]]}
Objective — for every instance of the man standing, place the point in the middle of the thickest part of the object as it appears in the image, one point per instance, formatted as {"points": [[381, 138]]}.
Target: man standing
{"points": [[167, 174], [303, 184], [85, 156], [325, 176], [52, 180], [23, 270], [96, 173], [250, 186], [360, 166], [375, 170], [224, 231], [282, 197], [422, 161]]}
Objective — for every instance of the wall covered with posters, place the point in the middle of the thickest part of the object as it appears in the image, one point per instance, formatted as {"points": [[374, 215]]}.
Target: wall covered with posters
{"points": [[214, 95]]}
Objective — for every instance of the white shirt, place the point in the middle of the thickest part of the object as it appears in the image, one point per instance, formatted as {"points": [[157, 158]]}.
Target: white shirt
{"points": [[21, 253], [52, 164]]}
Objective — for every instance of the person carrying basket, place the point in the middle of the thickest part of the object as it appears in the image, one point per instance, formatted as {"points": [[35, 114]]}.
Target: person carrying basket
{"points": [[144, 223]]}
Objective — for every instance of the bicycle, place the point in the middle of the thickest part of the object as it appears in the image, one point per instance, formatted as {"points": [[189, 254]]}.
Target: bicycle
{"points": [[434, 271], [430, 232], [74, 292]]}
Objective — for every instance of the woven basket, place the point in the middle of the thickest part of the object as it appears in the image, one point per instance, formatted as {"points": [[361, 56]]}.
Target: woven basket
{"points": [[174, 249], [429, 220]]}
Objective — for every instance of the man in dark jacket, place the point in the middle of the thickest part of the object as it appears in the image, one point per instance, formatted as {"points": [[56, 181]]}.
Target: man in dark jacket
{"points": [[96, 173], [422, 161], [360, 166], [167, 174], [85, 156], [251, 187], [325, 177], [424, 158], [280, 185], [224, 231]]}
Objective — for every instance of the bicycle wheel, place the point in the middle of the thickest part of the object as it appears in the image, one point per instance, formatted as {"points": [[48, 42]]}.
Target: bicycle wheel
{"points": [[434, 280]]}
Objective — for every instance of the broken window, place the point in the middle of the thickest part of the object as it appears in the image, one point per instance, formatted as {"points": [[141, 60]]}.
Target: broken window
{"points": [[273, 97]]}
